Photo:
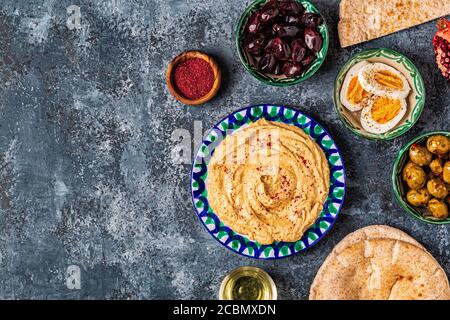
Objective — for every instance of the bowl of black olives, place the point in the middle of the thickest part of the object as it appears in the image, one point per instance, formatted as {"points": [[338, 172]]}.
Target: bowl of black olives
{"points": [[282, 42], [421, 177]]}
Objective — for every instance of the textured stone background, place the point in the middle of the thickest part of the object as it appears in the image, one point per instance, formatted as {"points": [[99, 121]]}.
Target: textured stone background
{"points": [[85, 144]]}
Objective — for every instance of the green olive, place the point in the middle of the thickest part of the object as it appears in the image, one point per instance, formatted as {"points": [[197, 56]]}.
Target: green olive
{"points": [[418, 198], [436, 166], [438, 144], [446, 172], [438, 209], [437, 188], [414, 176], [420, 155]]}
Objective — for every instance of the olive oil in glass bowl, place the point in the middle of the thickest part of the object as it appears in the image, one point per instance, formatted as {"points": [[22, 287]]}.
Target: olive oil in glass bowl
{"points": [[248, 283]]}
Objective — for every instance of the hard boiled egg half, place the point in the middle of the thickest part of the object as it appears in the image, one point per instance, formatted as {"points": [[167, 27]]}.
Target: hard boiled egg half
{"points": [[353, 95], [382, 114], [383, 80]]}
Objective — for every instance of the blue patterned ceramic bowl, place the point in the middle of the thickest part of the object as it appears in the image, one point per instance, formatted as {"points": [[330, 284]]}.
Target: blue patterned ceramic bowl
{"points": [[239, 243]]}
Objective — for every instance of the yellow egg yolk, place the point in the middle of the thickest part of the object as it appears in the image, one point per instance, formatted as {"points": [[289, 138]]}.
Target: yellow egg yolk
{"points": [[355, 92], [385, 109], [389, 80]]}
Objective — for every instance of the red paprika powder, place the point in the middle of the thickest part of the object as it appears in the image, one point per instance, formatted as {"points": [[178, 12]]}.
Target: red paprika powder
{"points": [[193, 78]]}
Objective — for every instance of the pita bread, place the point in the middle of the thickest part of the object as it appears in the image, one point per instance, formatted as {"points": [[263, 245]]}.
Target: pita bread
{"points": [[364, 20], [375, 232], [384, 258]]}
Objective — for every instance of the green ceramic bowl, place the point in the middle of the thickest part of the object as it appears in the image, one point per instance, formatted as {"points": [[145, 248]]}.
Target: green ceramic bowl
{"points": [[400, 189], [248, 63], [416, 99]]}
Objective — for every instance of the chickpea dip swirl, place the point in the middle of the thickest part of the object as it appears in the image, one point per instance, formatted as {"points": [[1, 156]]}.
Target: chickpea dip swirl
{"points": [[268, 181]]}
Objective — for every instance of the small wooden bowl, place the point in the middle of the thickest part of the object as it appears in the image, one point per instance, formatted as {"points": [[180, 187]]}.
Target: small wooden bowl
{"points": [[189, 55]]}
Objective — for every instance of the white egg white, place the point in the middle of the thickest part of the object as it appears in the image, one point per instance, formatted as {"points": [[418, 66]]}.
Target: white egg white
{"points": [[368, 82], [353, 72], [372, 126]]}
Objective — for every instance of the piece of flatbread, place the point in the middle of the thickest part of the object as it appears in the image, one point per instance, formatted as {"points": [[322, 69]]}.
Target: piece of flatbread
{"points": [[324, 288], [364, 20], [375, 232], [382, 269]]}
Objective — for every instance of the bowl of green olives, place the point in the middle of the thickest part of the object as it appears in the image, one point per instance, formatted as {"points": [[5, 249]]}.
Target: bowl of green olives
{"points": [[421, 177]]}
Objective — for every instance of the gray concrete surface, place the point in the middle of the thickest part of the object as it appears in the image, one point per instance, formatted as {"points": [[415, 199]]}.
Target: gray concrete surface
{"points": [[85, 171]]}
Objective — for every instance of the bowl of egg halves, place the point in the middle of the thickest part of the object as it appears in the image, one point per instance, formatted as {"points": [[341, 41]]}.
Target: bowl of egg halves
{"points": [[379, 94]]}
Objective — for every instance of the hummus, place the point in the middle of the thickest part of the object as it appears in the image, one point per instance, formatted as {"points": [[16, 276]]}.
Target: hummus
{"points": [[268, 182]]}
